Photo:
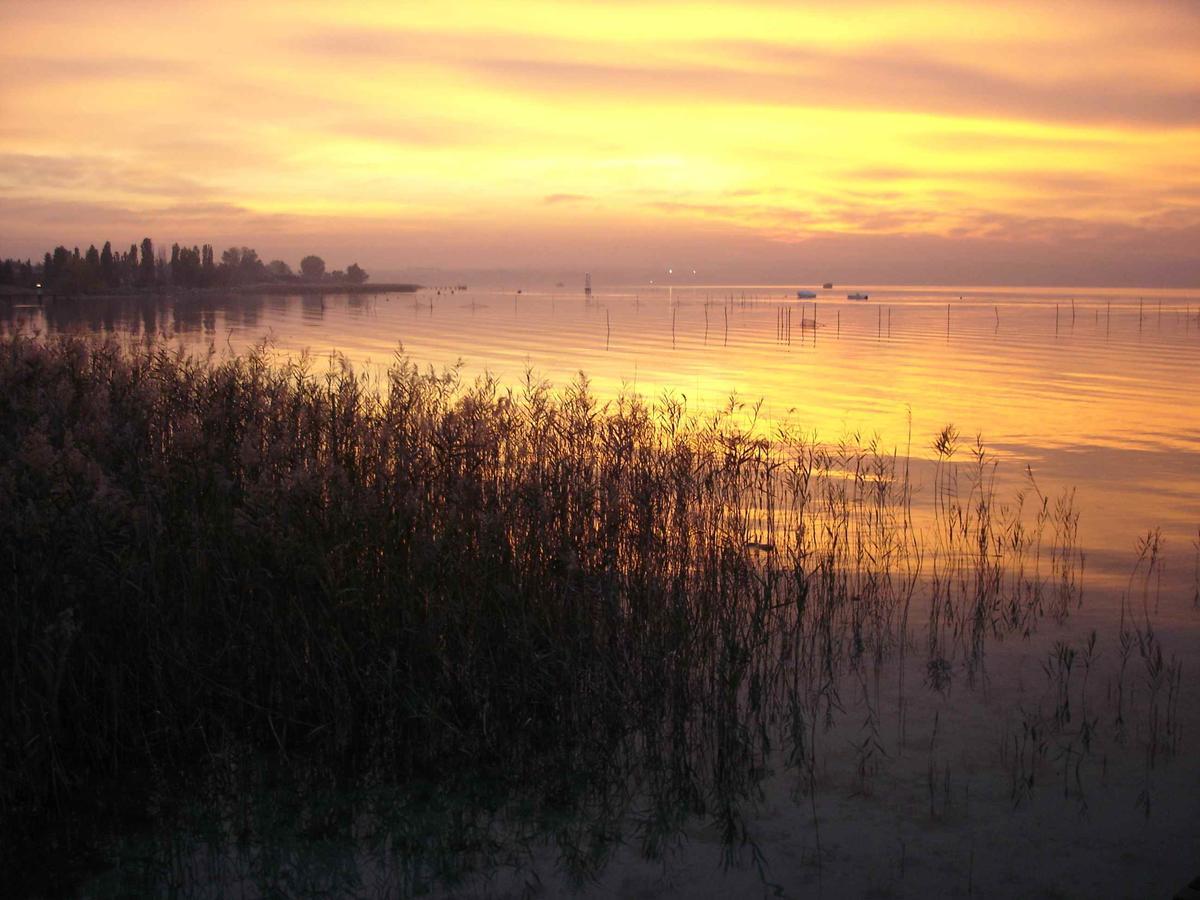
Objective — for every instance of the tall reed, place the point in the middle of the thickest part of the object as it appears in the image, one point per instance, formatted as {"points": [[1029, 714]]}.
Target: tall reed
{"points": [[206, 558]]}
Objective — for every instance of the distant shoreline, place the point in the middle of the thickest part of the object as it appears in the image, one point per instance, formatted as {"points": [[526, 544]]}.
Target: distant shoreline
{"points": [[304, 288]]}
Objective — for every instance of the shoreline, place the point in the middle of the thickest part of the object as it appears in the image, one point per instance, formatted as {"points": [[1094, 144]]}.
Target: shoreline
{"points": [[272, 288]]}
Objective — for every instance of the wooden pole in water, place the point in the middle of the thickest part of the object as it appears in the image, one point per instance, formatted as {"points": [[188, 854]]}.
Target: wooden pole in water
{"points": [[608, 326], [726, 311], [1056, 318]]}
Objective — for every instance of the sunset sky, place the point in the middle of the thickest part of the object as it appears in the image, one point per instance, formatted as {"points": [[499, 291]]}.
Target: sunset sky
{"points": [[866, 142]]}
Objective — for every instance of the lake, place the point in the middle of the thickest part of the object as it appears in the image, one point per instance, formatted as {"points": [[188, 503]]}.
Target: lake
{"points": [[1066, 767], [1091, 389]]}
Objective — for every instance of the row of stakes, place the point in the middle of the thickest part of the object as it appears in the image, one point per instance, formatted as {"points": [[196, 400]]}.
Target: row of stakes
{"points": [[785, 319]]}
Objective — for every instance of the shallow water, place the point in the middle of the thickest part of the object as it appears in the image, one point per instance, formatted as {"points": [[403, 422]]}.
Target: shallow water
{"points": [[1091, 389]]}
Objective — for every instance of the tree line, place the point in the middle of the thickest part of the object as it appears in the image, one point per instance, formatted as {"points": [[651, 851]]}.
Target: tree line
{"points": [[141, 268]]}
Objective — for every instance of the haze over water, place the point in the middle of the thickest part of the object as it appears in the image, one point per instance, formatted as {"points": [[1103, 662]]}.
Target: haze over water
{"points": [[1091, 389]]}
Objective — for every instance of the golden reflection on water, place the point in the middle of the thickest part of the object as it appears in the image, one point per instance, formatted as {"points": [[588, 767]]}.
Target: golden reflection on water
{"points": [[1092, 389]]}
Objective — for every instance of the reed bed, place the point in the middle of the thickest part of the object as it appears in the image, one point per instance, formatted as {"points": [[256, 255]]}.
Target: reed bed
{"points": [[211, 562]]}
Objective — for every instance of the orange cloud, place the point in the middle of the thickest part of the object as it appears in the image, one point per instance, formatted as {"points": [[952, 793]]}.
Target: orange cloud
{"points": [[739, 130]]}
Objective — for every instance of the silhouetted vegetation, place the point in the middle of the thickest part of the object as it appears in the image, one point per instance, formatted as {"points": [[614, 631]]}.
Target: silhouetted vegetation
{"points": [[70, 272], [239, 563], [312, 268]]}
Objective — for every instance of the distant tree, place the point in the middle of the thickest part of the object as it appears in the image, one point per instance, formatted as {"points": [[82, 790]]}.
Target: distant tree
{"points": [[72, 271], [241, 265], [108, 266], [93, 278], [312, 268], [61, 266], [186, 271], [251, 268], [69, 272], [147, 265], [13, 271], [208, 269]]}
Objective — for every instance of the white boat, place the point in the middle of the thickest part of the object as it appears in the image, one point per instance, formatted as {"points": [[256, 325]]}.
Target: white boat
{"points": [[806, 295], [857, 295]]}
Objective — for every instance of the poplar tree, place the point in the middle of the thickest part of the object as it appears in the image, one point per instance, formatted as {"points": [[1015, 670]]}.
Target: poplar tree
{"points": [[147, 261], [108, 268]]}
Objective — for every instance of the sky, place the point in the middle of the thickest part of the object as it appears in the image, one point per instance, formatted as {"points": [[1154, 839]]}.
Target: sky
{"points": [[1014, 143]]}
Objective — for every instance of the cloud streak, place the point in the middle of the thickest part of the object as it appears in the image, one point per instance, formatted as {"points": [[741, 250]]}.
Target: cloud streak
{"points": [[737, 130]]}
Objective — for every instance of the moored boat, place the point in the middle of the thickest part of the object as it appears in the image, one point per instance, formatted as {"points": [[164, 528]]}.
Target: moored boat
{"points": [[857, 295]]}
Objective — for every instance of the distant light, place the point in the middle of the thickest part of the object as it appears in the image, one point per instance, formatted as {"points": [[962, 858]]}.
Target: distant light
{"points": [[670, 271], [693, 271], [39, 285]]}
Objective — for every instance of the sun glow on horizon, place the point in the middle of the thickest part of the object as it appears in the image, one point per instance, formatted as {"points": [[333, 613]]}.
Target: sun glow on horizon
{"points": [[498, 131]]}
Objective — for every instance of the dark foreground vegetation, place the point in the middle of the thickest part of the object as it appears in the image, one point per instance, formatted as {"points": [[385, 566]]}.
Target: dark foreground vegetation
{"points": [[223, 570]]}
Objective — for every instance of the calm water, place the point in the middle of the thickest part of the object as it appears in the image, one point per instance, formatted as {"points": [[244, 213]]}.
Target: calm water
{"points": [[1091, 389]]}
